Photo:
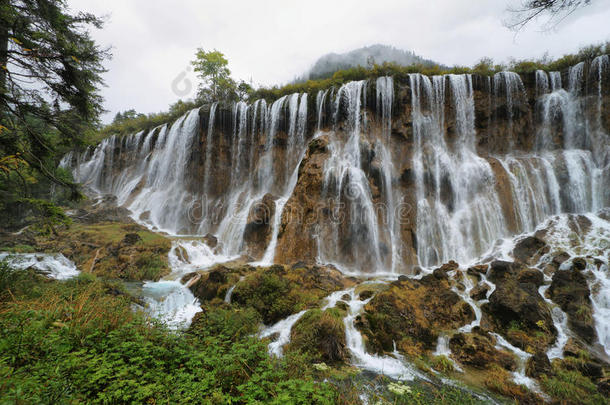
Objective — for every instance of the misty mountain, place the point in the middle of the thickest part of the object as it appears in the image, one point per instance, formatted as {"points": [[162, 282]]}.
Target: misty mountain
{"points": [[326, 65]]}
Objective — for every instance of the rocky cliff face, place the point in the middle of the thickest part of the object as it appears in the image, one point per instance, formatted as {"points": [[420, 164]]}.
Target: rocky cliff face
{"points": [[376, 176]]}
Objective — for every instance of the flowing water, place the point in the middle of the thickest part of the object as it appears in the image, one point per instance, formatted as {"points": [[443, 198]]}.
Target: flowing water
{"points": [[55, 266]]}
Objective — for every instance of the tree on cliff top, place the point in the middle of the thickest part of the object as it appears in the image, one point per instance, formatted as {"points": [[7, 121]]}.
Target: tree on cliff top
{"points": [[212, 69], [555, 11]]}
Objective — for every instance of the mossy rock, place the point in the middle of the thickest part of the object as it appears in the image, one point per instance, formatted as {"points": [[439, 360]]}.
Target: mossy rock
{"points": [[412, 313], [277, 291], [112, 250], [321, 335]]}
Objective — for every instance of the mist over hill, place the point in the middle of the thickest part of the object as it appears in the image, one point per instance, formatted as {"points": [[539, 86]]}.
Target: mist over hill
{"points": [[328, 64]]}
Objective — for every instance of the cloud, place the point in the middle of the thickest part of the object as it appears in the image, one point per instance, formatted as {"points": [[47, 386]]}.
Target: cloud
{"points": [[273, 41]]}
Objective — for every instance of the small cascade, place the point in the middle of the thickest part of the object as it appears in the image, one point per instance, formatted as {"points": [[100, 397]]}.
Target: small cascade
{"points": [[519, 376], [283, 329], [508, 85], [560, 322], [229, 293], [170, 302], [393, 367], [55, 266], [442, 349]]}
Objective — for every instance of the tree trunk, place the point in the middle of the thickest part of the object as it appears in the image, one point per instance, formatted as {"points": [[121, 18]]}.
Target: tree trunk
{"points": [[4, 5]]}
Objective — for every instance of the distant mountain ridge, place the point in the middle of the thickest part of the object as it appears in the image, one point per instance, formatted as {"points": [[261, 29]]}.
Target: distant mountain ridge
{"points": [[326, 65]]}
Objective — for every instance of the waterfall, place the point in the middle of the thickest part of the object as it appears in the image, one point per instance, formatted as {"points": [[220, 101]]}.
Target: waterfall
{"points": [[348, 191], [184, 179], [456, 198]]}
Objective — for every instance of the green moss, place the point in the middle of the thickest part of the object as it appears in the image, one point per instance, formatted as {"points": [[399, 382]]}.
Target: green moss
{"points": [[276, 292], [320, 335]]}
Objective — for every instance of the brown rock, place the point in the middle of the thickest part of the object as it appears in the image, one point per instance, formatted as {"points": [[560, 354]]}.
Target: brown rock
{"points": [[478, 350], [479, 292], [538, 365], [529, 250]]}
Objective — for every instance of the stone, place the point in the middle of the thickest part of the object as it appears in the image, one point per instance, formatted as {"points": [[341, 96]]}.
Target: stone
{"points": [[538, 365], [257, 233], [532, 276], [579, 263]]}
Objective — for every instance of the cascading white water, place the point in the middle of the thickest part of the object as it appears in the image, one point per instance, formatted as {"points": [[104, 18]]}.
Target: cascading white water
{"points": [[55, 266], [456, 198]]}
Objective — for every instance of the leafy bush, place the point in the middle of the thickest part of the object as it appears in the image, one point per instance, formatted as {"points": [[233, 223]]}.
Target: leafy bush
{"points": [[80, 341]]}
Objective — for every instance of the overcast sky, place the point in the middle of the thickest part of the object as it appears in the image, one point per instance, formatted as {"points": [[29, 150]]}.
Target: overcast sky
{"points": [[271, 42]]}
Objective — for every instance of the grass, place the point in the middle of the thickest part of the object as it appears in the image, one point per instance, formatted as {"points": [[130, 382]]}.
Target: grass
{"points": [[571, 387]]}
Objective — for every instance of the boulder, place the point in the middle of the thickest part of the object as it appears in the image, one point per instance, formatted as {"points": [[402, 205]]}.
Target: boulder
{"points": [[320, 334], [516, 309], [479, 292]]}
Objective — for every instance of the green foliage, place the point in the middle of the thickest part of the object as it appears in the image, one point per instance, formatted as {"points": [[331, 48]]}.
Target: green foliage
{"points": [[571, 387], [50, 71], [143, 122], [442, 364], [268, 293], [212, 68], [75, 342], [46, 215]]}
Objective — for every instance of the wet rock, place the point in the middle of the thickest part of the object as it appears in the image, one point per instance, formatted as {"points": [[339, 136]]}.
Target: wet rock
{"points": [[477, 270], [210, 240], [366, 294], [257, 233], [479, 292], [569, 289], [529, 250], [478, 350], [538, 365], [450, 266], [412, 312], [209, 285], [579, 263]]}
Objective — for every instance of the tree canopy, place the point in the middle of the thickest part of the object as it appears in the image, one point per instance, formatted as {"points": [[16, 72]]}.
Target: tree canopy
{"points": [[553, 10], [50, 74]]}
